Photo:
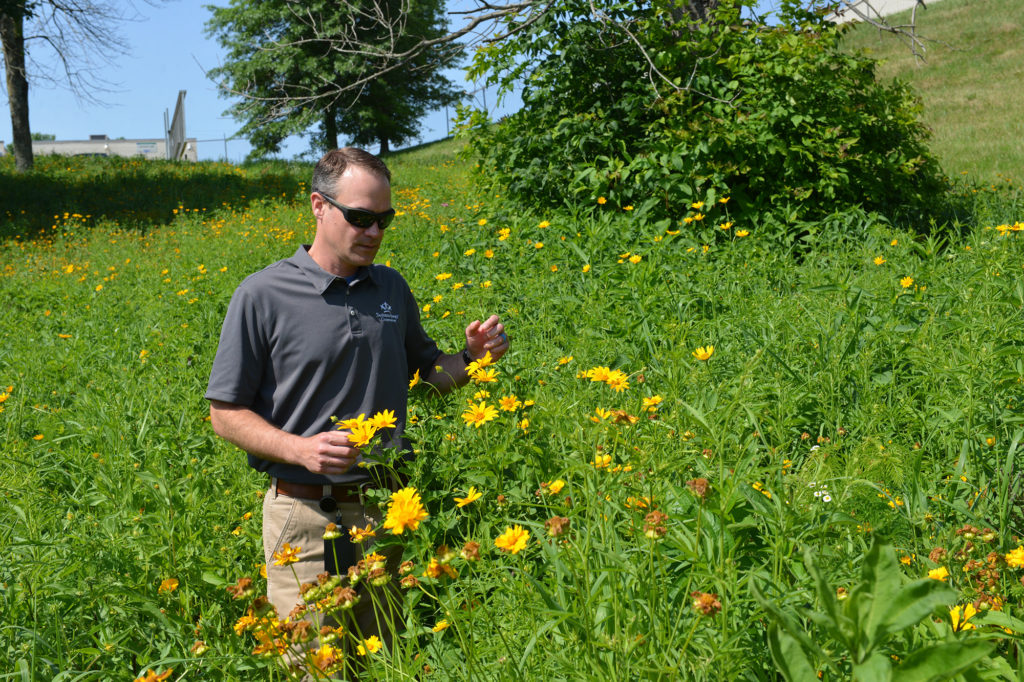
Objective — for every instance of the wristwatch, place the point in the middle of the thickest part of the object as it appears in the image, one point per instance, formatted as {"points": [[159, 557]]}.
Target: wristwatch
{"points": [[466, 357]]}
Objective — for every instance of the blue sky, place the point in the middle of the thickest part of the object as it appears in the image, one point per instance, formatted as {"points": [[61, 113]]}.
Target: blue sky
{"points": [[168, 51]]}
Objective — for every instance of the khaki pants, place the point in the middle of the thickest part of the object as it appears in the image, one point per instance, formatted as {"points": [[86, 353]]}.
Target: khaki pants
{"points": [[301, 523]]}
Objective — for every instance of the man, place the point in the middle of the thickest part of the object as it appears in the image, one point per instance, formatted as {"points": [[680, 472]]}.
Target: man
{"points": [[326, 333]]}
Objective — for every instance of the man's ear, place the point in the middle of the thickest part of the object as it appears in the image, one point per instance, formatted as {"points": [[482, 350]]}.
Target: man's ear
{"points": [[317, 203]]}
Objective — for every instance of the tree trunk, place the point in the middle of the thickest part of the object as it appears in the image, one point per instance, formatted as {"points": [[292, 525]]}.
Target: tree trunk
{"points": [[331, 127], [700, 10], [12, 36], [384, 148]]}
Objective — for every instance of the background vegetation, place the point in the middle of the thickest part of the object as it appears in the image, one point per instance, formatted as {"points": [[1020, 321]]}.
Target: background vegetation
{"points": [[737, 450]]}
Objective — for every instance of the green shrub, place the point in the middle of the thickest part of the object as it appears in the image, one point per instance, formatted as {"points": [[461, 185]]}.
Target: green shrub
{"points": [[635, 106]]}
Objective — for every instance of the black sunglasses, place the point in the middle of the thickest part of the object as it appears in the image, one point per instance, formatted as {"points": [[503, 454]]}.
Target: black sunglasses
{"points": [[361, 218]]}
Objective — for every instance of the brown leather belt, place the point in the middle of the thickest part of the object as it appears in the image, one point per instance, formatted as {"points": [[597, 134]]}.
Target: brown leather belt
{"points": [[305, 491]]}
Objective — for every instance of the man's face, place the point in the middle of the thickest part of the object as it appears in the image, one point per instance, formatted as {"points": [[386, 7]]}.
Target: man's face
{"points": [[340, 247]]}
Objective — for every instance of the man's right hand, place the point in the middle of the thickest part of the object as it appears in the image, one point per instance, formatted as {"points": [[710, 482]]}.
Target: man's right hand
{"points": [[323, 453], [328, 453]]}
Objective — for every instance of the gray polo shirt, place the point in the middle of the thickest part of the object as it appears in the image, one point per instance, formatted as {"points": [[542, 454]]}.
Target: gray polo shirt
{"points": [[300, 345]]}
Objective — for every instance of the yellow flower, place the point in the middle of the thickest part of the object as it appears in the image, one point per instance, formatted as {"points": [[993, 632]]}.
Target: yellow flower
{"points": [[480, 414], [480, 395], [739, 233], [635, 258], [543, 224], [602, 461], [370, 645], [601, 413], [602, 201], [939, 573], [565, 360], [287, 555], [894, 242], [405, 511], [472, 495], [361, 433], [704, 353], [618, 381], [724, 200], [879, 260], [168, 585], [598, 374], [554, 487], [513, 540], [469, 252], [484, 376], [699, 216], [652, 402], [482, 222], [38, 436], [697, 205], [1015, 559], [586, 268], [525, 424], [489, 253], [360, 535], [961, 625], [477, 365], [415, 379], [627, 208], [503, 234], [443, 276], [554, 268], [142, 354], [509, 403], [327, 659], [385, 419], [441, 625], [539, 245], [907, 282], [725, 226]]}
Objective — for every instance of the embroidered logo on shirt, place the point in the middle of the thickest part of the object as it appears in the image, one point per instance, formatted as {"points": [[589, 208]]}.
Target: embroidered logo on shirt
{"points": [[385, 314]]}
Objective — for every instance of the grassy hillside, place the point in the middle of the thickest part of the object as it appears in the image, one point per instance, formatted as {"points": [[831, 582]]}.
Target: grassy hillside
{"points": [[972, 72]]}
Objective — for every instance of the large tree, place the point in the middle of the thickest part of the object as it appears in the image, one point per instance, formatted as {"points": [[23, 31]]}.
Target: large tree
{"points": [[74, 38], [288, 66]]}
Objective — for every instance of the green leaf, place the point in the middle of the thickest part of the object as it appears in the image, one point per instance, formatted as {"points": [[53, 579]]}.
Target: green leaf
{"points": [[790, 658], [942, 661], [877, 668], [914, 603]]}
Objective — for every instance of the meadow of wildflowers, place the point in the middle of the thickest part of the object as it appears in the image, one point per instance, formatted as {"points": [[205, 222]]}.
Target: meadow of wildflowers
{"points": [[708, 455]]}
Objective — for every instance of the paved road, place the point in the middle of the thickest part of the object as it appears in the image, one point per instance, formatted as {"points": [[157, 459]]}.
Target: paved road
{"points": [[882, 7]]}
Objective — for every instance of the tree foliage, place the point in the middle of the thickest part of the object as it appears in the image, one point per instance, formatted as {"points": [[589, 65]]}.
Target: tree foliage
{"points": [[650, 106], [287, 64]]}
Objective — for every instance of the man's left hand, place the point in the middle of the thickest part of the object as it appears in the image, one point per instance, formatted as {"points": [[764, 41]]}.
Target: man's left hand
{"points": [[489, 335]]}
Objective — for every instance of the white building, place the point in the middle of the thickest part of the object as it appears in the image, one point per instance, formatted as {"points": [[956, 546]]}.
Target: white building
{"points": [[101, 145]]}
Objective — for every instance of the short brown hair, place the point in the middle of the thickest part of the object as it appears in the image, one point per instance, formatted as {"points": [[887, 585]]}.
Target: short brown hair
{"points": [[334, 163]]}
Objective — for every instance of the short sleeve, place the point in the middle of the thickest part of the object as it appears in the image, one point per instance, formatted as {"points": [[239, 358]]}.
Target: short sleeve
{"points": [[241, 353], [421, 351]]}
